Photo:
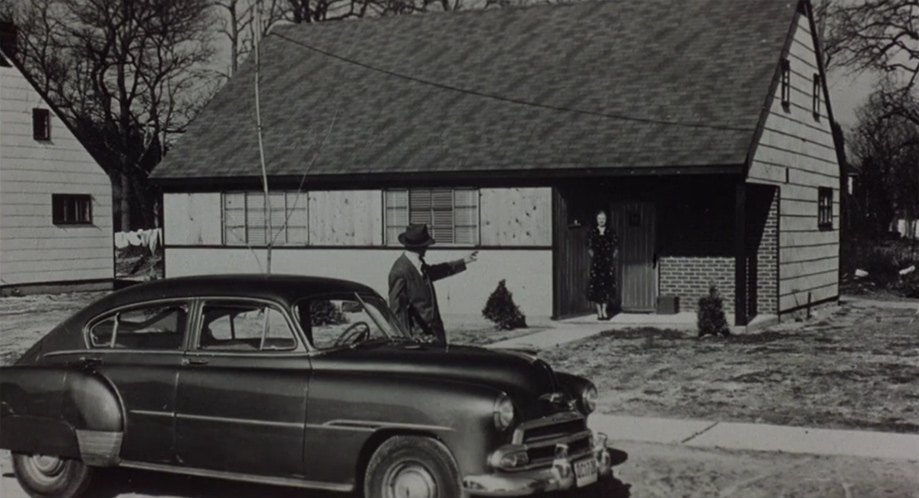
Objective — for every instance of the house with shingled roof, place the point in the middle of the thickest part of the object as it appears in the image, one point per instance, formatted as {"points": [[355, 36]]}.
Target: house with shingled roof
{"points": [[703, 127]]}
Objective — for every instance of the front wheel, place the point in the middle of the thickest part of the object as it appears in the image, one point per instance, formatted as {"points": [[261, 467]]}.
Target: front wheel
{"points": [[412, 467], [43, 476]]}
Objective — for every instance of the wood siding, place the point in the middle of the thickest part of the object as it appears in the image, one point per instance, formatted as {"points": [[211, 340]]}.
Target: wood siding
{"points": [[508, 217], [33, 249], [796, 153], [516, 216]]}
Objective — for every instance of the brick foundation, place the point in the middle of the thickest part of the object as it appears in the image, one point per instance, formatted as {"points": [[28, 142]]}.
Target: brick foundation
{"points": [[767, 255], [689, 277]]}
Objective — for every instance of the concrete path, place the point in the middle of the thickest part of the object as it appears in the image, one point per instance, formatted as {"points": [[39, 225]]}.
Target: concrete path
{"points": [[759, 437], [574, 329]]}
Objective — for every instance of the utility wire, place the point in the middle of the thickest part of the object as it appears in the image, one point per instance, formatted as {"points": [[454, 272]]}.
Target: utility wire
{"points": [[502, 98]]}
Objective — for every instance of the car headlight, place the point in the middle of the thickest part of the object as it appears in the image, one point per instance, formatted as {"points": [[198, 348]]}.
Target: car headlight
{"points": [[503, 412], [589, 398]]}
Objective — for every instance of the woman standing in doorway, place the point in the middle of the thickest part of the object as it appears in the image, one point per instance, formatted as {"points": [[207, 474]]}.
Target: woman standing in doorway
{"points": [[603, 247]]}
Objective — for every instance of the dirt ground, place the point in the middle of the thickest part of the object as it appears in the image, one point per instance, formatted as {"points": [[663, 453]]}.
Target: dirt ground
{"points": [[651, 471], [855, 367], [24, 320]]}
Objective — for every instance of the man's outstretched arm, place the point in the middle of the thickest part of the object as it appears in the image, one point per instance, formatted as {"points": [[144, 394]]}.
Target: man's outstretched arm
{"points": [[444, 270]]}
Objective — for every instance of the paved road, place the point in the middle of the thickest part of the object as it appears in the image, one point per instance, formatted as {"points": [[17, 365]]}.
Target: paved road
{"points": [[652, 470]]}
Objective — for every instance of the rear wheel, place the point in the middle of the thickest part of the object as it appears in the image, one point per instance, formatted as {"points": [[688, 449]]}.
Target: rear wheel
{"points": [[44, 476], [412, 467]]}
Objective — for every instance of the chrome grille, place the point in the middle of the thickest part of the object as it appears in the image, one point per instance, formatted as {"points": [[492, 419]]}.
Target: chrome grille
{"points": [[540, 436]]}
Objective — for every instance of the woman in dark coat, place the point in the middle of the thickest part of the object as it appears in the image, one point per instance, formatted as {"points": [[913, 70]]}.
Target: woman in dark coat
{"points": [[603, 247]]}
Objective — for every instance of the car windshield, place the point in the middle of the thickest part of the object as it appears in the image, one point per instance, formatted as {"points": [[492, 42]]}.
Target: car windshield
{"points": [[348, 321]]}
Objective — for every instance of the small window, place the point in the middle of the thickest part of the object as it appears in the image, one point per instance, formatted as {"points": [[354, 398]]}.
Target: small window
{"points": [[451, 214], [825, 208], [41, 124], [156, 327], [818, 84], [72, 209], [786, 83], [244, 327]]}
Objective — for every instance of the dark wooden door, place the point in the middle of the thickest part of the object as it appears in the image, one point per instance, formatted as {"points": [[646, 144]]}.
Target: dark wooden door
{"points": [[571, 261], [636, 224]]}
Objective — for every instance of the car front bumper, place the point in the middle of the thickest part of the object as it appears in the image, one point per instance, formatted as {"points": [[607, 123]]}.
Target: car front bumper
{"points": [[559, 477]]}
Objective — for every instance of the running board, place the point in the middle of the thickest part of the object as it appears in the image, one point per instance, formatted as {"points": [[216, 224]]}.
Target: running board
{"points": [[235, 476]]}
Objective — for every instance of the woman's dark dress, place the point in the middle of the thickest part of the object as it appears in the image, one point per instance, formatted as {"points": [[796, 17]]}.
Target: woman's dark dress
{"points": [[601, 288]]}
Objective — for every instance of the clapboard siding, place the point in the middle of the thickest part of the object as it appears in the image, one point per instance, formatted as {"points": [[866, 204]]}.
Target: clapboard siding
{"points": [[32, 248], [516, 216], [797, 153]]}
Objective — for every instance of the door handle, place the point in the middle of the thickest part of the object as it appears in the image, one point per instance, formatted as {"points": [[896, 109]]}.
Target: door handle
{"points": [[89, 362], [193, 361]]}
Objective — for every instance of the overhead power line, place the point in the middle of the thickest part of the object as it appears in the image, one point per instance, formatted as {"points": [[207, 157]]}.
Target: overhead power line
{"points": [[503, 98]]}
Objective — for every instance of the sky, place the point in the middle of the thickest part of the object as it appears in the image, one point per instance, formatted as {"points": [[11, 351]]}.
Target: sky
{"points": [[847, 93]]}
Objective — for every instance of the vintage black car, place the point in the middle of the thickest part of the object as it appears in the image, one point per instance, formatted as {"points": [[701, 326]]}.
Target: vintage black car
{"points": [[289, 380]]}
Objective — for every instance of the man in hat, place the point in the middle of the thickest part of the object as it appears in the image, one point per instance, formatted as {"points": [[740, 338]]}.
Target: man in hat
{"points": [[411, 283]]}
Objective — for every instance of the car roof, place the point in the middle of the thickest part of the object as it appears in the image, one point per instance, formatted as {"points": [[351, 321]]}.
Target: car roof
{"points": [[285, 288]]}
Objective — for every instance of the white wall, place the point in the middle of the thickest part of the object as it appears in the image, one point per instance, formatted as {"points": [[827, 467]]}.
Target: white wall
{"points": [[796, 152], [32, 248], [528, 272]]}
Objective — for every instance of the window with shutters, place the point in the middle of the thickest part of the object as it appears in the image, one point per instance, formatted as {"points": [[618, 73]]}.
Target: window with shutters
{"points": [[786, 84], [245, 219], [451, 214], [41, 124], [825, 208]]}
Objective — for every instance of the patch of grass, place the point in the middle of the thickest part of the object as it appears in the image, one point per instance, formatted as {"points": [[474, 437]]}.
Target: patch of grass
{"points": [[854, 368]]}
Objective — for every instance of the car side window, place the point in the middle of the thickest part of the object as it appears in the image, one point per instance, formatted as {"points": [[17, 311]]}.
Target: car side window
{"points": [[245, 327], [338, 322], [152, 327]]}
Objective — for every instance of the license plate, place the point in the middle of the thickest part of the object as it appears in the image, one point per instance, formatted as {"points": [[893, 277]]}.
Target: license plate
{"points": [[585, 472]]}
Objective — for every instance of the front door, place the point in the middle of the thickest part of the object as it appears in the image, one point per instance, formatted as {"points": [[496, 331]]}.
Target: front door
{"points": [[241, 402], [636, 224], [570, 257]]}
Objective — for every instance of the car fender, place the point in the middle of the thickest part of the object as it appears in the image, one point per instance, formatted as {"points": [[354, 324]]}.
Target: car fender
{"points": [[77, 413], [349, 417]]}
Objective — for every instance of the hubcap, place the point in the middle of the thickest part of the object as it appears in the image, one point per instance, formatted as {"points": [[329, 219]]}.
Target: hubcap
{"points": [[409, 480], [48, 465]]}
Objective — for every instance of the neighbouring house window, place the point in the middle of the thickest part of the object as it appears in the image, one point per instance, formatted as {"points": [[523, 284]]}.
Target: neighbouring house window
{"points": [[786, 83], [41, 124], [825, 208], [818, 83], [245, 220], [452, 214], [71, 209]]}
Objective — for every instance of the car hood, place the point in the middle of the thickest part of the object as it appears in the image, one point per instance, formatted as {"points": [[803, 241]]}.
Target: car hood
{"points": [[524, 377]]}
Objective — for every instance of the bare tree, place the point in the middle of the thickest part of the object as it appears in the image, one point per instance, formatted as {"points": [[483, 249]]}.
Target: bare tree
{"points": [[885, 145], [880, 36], [129, 75]]}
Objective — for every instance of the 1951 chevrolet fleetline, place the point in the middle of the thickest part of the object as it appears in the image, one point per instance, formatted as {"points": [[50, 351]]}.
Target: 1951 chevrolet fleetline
{"points": [[295, 381]]}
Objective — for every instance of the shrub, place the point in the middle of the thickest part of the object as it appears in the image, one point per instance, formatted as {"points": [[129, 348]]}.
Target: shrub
{"points": [[710, 315], [326, 313], [500, 308]]}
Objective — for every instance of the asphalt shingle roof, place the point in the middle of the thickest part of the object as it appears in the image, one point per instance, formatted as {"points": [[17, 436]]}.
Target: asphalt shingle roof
{"points": [[445, 92]]}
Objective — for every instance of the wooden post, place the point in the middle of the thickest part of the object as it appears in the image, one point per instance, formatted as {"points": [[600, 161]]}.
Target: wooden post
{"points": [[740, 254]]}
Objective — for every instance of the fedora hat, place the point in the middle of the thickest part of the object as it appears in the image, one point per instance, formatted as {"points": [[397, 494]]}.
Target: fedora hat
{"points": [[416, 236]]}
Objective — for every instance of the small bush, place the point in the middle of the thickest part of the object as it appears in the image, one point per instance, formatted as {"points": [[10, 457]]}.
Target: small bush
{"points": [[710, 315], [909, 285], [501, 309], [326, 313]]}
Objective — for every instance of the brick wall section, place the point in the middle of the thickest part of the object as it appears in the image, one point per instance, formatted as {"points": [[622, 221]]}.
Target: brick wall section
{"points": [[767, 255], [690, 276]]}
